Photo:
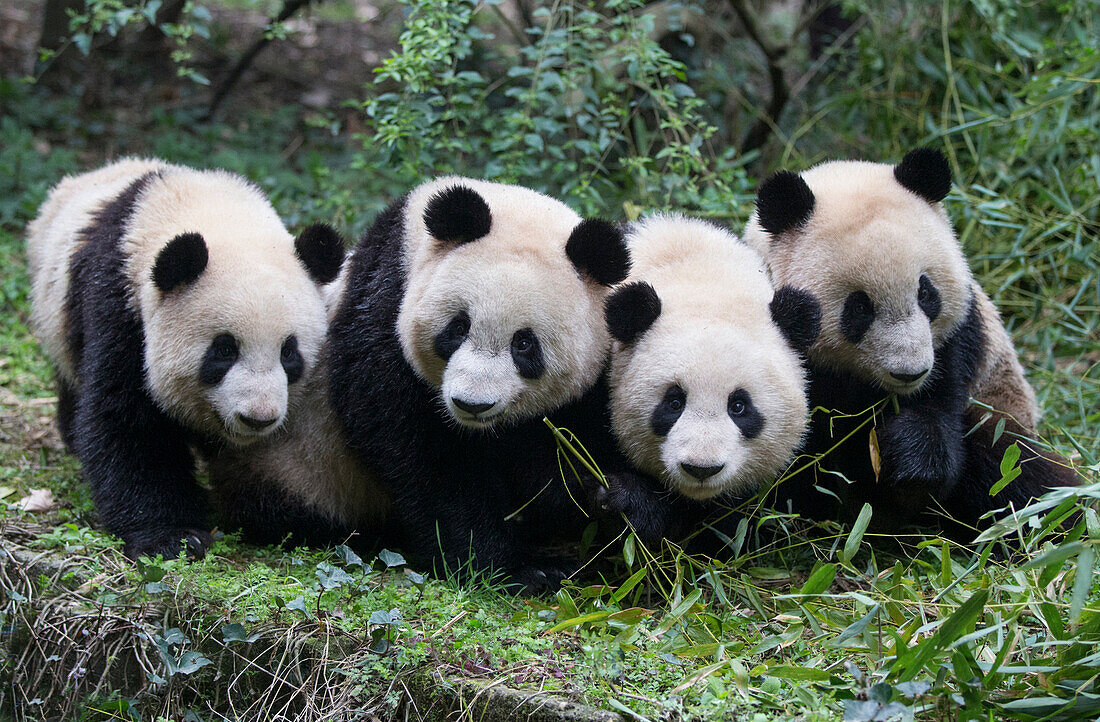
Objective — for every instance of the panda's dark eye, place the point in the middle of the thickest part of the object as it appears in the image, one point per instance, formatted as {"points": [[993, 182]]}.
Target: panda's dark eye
{"points": [[745, 414], [527, 354], [291, 359], [928, 298], [668, 411], [220, 357], [452, 336], [224, 347], [857, 316]]}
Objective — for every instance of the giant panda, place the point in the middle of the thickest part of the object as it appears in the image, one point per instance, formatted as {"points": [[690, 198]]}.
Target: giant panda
{"points": [[472, 309], [179, 313], [707, 387], [303, 484], [902, 317]]}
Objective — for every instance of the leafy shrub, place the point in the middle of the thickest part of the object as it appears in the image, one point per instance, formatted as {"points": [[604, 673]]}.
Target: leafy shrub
{"points": [[584, 104]]}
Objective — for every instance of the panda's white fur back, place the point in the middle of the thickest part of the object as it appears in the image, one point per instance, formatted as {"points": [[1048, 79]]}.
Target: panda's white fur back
{"points": [[516, 275], [714, 335], [56, 233]]}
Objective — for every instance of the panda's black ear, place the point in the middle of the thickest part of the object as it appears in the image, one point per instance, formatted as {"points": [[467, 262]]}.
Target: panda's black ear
{"points": [[631, 310], [181, 262], [784, 202], [925, 171], [798, 315], [457, 215], [321, 249], [598, 250]]}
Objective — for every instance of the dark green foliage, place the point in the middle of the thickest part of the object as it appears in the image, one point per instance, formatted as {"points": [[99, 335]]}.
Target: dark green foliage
{"points": [[585, 105]]}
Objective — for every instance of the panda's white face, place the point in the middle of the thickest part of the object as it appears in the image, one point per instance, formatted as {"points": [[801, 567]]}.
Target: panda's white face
{"points": [[707, 394], [710, 409], [880, 257], [497, 316], [231, 303], [230, 367], [508, 341]]}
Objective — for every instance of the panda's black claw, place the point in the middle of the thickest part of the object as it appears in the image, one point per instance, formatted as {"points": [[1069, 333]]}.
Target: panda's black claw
{"points": [[542, 576], [603, 498], [630, 495], [168, 543]]}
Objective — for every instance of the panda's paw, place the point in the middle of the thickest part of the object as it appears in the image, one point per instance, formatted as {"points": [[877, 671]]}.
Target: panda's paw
{"points": [[627, 495], [168, 543], [542, 576], [915, 448]]}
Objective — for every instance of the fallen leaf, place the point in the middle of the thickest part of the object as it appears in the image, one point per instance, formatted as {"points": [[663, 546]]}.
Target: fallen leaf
{"points": [[37, 500], [876, 459]]}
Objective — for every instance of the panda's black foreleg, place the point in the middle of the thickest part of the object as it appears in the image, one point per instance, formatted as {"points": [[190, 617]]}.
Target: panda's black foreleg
{"points": [[141, 471], [136, 459], [923, 445], [1040, 471], [66, 410], [645, 505]]}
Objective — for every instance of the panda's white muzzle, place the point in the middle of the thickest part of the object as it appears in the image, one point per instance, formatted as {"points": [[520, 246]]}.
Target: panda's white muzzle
{"points": [[479, 387], [251, 404], [901, 352]]}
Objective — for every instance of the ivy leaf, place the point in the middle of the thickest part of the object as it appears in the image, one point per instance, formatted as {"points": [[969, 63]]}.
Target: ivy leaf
{"points": [[299, 605], [332, 577], [236, 632], [391, 559], [349, 557]]}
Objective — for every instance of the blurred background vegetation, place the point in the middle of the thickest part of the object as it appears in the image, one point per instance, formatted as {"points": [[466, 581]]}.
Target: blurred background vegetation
{"points": [[336, 107]]}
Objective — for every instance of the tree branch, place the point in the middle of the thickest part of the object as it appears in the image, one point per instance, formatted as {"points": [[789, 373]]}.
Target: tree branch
{"points": [[766, 122], [290, 7]]}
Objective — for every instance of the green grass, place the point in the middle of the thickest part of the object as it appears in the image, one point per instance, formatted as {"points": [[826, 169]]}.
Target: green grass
{"points": [[820, 621]]}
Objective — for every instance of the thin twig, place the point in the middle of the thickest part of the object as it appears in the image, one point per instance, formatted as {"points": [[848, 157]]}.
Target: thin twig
{"points": [[290, 7]]}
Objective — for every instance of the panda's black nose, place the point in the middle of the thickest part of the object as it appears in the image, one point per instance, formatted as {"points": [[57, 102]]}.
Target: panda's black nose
{"points": [[909, 378], [254, 423], [702, 473], [470, 407]]}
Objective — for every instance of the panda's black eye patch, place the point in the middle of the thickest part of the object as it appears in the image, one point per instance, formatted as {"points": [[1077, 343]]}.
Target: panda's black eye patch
{"points": [[668, 411], [745, 414], [220, 357], [527, 354], [452, 336], [928, 298], [291, 359], [857, 316]]}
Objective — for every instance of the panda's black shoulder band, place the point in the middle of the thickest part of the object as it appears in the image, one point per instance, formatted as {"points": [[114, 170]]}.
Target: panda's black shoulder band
{"points": [[180, 262], [925, 171], [784, 202], [598, 250], [457, 214], [631, 310]]}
